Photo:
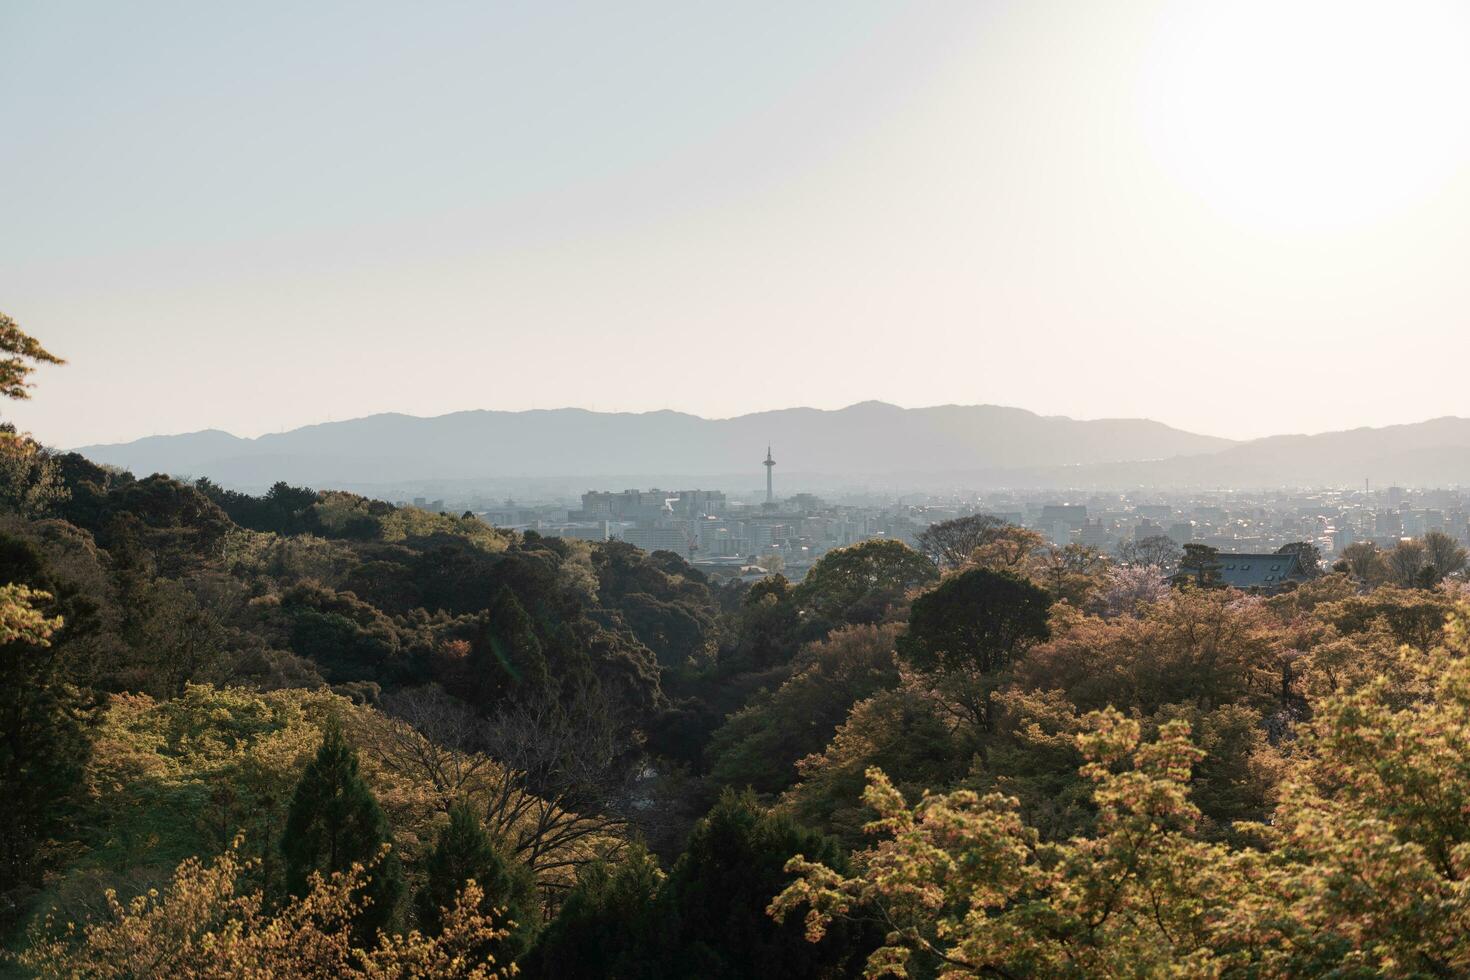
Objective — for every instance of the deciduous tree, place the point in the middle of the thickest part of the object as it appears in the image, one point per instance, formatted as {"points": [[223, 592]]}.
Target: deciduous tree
{"points": [[1443, 554]]}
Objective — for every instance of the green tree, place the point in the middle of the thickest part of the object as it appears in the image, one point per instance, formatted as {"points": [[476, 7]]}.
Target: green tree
{"points": [[759, 745], [872, 574], [715, 897], [1200, 566], [972, 627], [335, 822], [44, 736], [1307, 554], [31, 482], [22, 354], [905, 731], [1360, 871], [465, 852], [505, 653], [768, 628], [44, 741], [607, 928]]}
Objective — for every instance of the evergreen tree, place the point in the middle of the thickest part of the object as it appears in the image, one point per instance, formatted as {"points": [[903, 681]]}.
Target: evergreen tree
{"points": [[334, 822], [44, 737], [713, 903], [20, 354], [465, 851], [978, 620], [506, 654], [607, 928], [1200, 566]]}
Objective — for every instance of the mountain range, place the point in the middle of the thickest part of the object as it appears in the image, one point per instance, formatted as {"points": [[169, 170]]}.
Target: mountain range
{"points": [[975, 445]]}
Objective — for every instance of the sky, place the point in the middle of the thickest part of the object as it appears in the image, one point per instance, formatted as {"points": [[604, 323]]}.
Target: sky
{"points": [[1239, 219]]}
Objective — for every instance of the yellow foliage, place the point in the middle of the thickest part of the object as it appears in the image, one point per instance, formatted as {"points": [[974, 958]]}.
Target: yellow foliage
{"points": [[1365, 868], [208, 924], [21, 620]]}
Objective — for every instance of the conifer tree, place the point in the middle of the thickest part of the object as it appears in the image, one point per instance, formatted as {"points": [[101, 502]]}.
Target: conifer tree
{"points": [[506, 653], [464, 852], [20, 354], [44, 741], [44, 736], [334, 822]]}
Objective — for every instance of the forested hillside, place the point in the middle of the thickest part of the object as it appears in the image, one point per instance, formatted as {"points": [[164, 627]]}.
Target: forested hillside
{"points": [[312, 734]]}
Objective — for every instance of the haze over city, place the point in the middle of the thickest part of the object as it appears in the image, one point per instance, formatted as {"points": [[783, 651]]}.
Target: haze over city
{"points": [[1237, 220], [673, 490]]}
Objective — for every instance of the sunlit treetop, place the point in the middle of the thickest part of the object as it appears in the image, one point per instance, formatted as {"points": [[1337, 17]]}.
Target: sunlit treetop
{"points": [[23, 354]]}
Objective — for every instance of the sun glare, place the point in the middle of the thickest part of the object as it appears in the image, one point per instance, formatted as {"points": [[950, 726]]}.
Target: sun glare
{"points": [[1309, 116]]}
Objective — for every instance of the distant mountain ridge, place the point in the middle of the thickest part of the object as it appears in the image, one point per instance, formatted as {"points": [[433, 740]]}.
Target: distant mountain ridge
{"points": [[1433, 453], [869, 438], [974, 445]]}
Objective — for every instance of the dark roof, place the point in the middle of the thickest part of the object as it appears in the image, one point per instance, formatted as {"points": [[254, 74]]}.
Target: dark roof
{"points": [[1258, 571]]}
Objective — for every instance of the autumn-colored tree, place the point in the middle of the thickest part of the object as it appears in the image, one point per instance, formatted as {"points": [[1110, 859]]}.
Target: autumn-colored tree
{"points": [[21, 620], [1008, 549], [209, 925], [31, 483], [1201, 647], [1361, 870], [1413, 616], [966, 889], [1072, 573]]}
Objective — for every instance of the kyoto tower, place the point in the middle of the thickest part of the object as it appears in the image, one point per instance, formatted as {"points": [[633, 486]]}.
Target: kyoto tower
{"points": [[768, 464]]}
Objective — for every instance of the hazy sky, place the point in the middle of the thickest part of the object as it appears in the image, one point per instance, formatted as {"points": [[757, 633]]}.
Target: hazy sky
{"points": [[1237, 218]]}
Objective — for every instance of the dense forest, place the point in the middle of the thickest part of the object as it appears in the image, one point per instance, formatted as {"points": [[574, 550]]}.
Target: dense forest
{"points": [[313, 734]]}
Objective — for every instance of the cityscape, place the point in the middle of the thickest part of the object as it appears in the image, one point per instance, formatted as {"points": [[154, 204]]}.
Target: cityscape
{"points": [[729, 536], [973, 490]]}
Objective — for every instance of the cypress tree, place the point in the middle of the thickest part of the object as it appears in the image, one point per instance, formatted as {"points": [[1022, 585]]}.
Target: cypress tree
{"points": [[609, 926], [45, 741], [466, 851], [506, 653], [713, 903], [335, 821]]}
